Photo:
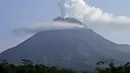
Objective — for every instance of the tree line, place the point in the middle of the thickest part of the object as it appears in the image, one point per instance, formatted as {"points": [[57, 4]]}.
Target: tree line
{"points": [[28, 67]]}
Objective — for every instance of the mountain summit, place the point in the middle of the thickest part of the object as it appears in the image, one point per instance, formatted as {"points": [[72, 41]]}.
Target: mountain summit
{"points": [[76, 48], [69, 20]]}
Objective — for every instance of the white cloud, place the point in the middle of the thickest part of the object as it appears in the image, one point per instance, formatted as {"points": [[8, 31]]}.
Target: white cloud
{"points": [[113, 27], [46, 26], [84, 12], [106, 24]]}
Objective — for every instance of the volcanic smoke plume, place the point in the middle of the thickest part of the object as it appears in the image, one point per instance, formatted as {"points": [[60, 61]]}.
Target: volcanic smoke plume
{"points": [[84, 12]]}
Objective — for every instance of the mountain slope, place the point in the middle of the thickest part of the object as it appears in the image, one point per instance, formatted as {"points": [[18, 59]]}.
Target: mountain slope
{"points": [[65, 48], [70, 48]]}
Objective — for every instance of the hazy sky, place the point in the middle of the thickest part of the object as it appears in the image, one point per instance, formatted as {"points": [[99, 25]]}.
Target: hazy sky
{"points": [[20, 13]]}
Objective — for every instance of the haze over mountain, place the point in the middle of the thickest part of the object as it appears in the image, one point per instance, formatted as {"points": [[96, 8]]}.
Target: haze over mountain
{"points": [[106, 19], [68, 42], [75, 47]]}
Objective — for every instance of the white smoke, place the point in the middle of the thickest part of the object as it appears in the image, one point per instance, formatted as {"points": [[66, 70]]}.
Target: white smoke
{"points": [[46, 26], [92, 16], [84, 12], [113, 27]]}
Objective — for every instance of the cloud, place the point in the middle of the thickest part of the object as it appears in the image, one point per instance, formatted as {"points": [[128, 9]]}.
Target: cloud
{"points": [[106, 24], [84, 12], [46, 26], [113, 27]]}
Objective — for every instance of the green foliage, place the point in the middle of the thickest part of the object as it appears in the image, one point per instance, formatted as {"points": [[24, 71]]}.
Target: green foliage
{"points": [[28, 67], [112, 68]]}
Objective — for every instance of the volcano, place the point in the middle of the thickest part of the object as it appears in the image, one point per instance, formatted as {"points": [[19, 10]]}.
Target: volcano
{"points": [[76, 48]]}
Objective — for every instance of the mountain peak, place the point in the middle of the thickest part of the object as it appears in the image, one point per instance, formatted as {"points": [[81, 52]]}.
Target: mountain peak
{"points": [[69, 20]]}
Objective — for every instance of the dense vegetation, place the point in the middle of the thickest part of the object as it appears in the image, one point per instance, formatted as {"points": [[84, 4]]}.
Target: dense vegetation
{"points": [[112, 68], [28, 67]]}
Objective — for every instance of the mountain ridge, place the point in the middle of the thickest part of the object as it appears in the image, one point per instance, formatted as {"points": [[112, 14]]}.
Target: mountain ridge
{"points": [[69, 20], [76, 48]]}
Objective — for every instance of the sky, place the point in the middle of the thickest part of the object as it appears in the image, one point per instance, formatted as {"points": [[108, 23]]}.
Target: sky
{"points": [[16, 14]]}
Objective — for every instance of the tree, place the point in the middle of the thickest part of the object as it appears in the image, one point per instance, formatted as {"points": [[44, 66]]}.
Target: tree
{"points": [[26, 62]]}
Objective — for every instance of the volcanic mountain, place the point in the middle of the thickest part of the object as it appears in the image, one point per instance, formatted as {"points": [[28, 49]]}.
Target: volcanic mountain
{"points": [[67, 48]]}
